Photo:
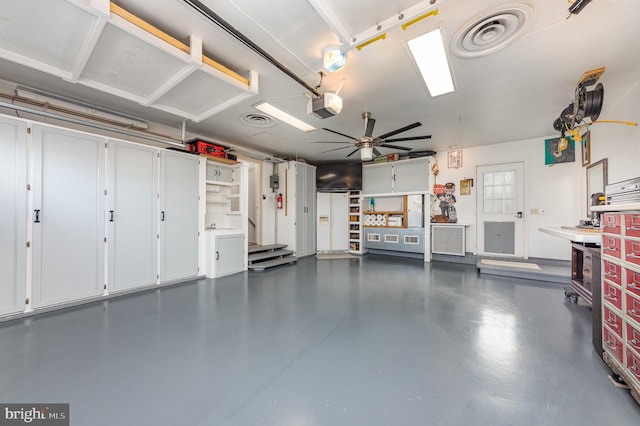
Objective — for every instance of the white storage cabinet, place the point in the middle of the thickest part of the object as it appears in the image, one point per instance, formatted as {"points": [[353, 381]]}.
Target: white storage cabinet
{"points": [[132, 215], [68, 217], [13, 204], [397, 177], [296, 221], [179, 183], [226, 251]]}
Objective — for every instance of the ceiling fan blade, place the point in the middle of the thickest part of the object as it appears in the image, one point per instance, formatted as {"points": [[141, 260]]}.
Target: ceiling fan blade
{"points": [[403, 148], [376, 152], [338, 133], [400, 130], [353, 152], [412, 138], [329, 142], [370, 125], [335, 149]]}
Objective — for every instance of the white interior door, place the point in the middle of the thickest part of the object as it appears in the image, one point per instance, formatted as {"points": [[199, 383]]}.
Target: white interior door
{"points": [[500, 207], [132, 213], [13, 204], [68, 215]]}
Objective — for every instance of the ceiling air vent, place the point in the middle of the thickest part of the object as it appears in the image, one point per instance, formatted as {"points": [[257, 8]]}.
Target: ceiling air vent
{"points": [[491, 32], [257, 120]]}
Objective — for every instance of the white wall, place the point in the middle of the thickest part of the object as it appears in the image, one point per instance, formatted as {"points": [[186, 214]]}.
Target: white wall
{"points": [[620, 144], [551, 189], [559, 190]]}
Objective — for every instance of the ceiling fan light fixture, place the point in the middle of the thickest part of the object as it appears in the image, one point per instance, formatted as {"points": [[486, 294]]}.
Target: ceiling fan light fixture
{"points": [[430, 57], [366, 153], [334, 59]]}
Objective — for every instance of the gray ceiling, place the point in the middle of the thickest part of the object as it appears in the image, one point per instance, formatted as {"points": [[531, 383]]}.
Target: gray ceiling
{"points": [[512, 94]]}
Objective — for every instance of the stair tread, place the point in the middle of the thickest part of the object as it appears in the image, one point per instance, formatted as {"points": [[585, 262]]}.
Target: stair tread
{"points": [[545, 273], [269, 254], [256, 248], [261, 266]]}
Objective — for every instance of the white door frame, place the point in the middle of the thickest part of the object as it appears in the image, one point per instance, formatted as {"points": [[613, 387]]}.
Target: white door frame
{"points": [[520, 234]]}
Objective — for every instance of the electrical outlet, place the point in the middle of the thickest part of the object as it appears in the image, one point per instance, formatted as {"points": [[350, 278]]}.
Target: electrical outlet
{"points": [[534, 211]]}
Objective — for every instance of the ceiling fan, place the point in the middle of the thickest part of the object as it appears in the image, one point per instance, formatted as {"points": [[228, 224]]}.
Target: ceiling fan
{"points": [[367, 144]]}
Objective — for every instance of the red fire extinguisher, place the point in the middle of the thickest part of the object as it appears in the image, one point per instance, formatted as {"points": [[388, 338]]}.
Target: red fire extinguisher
{"points": [[279, 201]]}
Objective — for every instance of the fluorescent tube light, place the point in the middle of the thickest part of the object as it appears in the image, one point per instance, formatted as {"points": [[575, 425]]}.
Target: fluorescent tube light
{"points": [[267, 108], [431, 58]]}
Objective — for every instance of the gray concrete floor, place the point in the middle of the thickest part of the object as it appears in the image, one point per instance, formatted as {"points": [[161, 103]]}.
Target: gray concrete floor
{"points": [[372, 341]]}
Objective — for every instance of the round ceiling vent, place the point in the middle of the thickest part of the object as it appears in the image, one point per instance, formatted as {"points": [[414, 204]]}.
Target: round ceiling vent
{"points": [[257, 120], [491, 32]]}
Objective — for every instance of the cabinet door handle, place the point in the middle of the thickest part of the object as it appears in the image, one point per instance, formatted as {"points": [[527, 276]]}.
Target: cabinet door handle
{"points": [[217, 255], [612, 323], [110, 215], [36, 216], [161, 216]]}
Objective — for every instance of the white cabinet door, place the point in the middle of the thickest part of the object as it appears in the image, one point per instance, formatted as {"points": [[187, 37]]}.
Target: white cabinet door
{"points": [[68, 215], [13, 204], [410, 176], [377, 179], [229, 254], [132, 211], [178, 216], [301, 209], [310, 215], [219, 173]]}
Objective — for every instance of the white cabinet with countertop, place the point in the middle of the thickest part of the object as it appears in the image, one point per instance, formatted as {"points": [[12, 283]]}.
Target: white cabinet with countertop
{"points": [[226, 252]]}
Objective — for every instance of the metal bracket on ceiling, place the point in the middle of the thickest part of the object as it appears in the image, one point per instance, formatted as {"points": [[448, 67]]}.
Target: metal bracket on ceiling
{"points": [[352, 39]]}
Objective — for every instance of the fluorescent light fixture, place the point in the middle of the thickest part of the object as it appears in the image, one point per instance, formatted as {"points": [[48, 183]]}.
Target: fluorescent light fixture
{"points": [[334, 59], [267, 108], [428, 52]]}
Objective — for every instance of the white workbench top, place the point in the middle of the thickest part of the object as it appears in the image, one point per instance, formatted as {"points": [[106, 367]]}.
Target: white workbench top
{"points": [[616, 207], [574, 234]]}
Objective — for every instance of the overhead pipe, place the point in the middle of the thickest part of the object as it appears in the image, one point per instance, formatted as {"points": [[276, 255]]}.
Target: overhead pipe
{"points": [[95, 125], [220, 22]]}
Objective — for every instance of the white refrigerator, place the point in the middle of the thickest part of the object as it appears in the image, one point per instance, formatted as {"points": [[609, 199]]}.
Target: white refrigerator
{"points": [[332, 222]]}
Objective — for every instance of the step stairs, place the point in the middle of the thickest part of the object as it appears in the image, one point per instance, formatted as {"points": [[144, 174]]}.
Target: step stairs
{"points": [[269, 256], [554, 272]]}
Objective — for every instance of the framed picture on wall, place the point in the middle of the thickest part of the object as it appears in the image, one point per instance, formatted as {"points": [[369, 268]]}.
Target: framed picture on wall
{"points": [[586, 149], [455, 159]]}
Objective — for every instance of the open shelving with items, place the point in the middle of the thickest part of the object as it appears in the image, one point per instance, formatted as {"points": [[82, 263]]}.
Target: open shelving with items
{"points": [[355, 223], [392, 215], [223, 196]]}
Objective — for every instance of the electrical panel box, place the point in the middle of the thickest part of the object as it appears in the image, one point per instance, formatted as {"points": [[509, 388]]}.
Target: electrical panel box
{"points": [[274, 181]]}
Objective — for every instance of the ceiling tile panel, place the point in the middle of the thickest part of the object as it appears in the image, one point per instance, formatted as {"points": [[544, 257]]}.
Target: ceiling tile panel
{"points": [[128, 63], [53, 36], [198, 93]]}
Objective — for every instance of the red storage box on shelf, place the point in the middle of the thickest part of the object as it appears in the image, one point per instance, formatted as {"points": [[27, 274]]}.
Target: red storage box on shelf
{"points": [[198, 146]]}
